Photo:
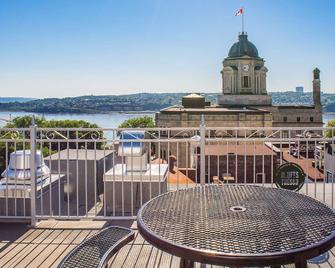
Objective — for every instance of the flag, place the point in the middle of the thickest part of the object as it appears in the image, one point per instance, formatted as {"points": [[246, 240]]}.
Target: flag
{"points": [[239, 12]]}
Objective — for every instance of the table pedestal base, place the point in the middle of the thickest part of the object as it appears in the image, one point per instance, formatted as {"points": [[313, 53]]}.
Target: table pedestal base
{"points": [[301, 264], [186, 263]]}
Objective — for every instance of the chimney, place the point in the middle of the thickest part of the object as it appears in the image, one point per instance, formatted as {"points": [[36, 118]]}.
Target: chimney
{"points": [[317, 89]]}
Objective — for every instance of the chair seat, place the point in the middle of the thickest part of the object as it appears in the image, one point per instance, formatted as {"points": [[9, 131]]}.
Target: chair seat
{"points": [[98, 249]]}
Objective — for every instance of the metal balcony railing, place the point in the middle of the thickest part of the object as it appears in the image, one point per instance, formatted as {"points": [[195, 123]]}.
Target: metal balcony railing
{"points": [[110, 173]]}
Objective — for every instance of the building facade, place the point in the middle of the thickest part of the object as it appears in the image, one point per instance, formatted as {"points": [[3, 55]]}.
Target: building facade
{"points": [[244, 101], [252, 163]]}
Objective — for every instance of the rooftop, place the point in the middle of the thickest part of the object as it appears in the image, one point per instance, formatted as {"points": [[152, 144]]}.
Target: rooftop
{"points": [[240, 149], [213, 109]]}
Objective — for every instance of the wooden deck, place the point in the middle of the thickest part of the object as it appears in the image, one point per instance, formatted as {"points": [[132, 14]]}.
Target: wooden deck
{"points": [[50, 241]]}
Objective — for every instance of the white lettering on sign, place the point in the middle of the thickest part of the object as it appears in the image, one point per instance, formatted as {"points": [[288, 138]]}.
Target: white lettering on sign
{"points": [[289, 175]]}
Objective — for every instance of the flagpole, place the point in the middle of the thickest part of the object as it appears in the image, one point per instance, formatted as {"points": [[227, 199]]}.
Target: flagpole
{"points": [[242, 20]]}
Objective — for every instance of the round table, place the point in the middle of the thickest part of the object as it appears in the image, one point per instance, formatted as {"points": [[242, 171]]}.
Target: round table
{"points": [[238, 225]]}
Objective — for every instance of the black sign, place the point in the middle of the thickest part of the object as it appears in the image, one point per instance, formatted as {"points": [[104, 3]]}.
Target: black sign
{"points": [[290, 176]]}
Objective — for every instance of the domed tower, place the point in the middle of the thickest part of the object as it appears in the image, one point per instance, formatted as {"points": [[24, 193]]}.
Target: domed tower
{"points": [[244, 74]]}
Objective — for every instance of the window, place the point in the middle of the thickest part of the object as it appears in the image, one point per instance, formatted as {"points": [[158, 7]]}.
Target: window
{"points": [[329, 177], [285, 118], [298, 119], [285, 134], [245, 82], [257, 84], [311, 119]]}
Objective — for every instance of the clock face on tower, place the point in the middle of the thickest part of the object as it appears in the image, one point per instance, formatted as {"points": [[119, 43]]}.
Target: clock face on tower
{"points": [[245, 67]]}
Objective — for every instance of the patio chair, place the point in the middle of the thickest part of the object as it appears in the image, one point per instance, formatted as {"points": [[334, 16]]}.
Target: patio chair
{"points": [[98, 249], [216, 180], [227, 177]]}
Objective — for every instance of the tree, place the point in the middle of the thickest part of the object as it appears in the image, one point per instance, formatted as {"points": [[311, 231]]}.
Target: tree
{"points": [[138, 122], [52, 131], [330, 133], [41, 122]]}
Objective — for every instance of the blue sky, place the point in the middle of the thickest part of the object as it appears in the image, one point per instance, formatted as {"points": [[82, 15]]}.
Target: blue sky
{"points": [[77, 47]]}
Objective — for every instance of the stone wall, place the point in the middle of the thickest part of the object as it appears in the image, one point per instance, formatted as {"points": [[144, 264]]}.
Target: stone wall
{"points": [[244, 100]]}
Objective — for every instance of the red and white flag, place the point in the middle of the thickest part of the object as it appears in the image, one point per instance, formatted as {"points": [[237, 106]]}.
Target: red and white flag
{"points": [[239, 12]]}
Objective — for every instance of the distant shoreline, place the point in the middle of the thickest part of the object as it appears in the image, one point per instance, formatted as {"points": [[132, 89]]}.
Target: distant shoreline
{"points": [[140, 103], [324, 111], [103, 120]]}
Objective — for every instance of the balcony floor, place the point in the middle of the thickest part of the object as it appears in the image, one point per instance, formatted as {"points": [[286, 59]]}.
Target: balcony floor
{"points": [[50, 241]]}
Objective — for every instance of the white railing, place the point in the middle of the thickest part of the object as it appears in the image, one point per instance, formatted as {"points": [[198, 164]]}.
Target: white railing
{"points": [[92, 173]]}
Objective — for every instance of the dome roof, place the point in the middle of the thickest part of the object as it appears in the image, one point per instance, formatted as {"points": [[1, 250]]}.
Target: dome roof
{"points": [[243, 48]]}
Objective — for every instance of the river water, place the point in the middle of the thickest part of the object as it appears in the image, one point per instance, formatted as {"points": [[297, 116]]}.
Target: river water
{"points": [[110, 120]]}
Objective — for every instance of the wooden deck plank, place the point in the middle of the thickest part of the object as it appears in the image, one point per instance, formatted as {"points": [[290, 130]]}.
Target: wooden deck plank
{"points": [[58, 252], [144, 255], [120, 258], [3, 245], [331, 260], [154, 254], [53, 245], [40, 249], [139, 240], [40, 258], [65, 243], [133, 256], [12, 256], [9, 253], [46, 246], [62, 256], [175, 261], [25, 253], [165, 260], [52, 236], [10, 247], [61, 237], [71, 237], [31, 237], [30, 248]]}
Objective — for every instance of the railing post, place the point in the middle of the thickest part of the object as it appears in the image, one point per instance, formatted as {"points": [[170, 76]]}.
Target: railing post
{"points": [[202, 151], [33, 173]]}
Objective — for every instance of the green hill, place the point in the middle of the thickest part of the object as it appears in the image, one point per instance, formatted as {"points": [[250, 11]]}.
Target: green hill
{"points": [[140, 102]]}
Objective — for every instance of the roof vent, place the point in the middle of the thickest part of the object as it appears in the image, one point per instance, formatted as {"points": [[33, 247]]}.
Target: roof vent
{"points": [[19, 166], [193, 101]]}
